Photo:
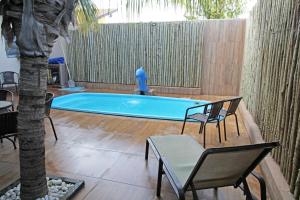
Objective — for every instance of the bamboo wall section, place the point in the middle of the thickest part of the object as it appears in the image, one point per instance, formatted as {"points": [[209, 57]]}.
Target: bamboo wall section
{"points": [[169, 53], [271, 80], [174, 54]]}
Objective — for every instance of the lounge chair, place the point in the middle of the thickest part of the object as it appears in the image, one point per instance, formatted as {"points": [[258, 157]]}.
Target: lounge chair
{"points": [[189, 167], [206, 113], [8, 126], [48, 103], [232, 108]]}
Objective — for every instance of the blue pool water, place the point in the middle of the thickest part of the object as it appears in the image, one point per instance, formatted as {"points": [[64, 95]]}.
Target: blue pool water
{"points": [[154, 107]]}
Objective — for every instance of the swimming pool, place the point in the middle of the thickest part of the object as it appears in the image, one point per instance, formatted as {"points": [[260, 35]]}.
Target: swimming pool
{"points": [[154, 107]]}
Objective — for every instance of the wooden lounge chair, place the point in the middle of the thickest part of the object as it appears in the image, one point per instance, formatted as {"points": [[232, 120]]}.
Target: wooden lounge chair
{"points": [[8, 128], [48, 103], [232, 108], [189, 167], [206, 113]]}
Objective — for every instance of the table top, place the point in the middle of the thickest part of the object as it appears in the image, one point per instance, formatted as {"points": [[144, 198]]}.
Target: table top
{"points": [[5, 104]]}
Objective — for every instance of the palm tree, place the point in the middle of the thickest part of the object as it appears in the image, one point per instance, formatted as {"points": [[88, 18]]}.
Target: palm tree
{"points": [[36, 25], [209, 9]]}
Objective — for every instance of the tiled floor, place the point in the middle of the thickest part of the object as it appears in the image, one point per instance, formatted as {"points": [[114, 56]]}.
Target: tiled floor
{"points": [[107, 152]]}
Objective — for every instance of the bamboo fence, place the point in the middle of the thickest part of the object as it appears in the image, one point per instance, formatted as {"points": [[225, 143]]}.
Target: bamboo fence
{"points": [[171, 53], [205, 55], [271, 80]]}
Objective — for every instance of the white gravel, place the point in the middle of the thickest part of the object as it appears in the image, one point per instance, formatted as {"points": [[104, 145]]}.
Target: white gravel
{"points": [[57, 188]]}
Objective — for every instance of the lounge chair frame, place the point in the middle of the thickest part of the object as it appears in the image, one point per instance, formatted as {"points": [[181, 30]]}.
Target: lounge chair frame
{"points": [[180, 190]]}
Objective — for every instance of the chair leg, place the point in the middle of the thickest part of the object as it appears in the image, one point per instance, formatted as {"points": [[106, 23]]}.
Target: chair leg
{"points": [[147, 150], [159, 177], [52, 127], [204, 136], [201, 127], [224, 124], [219, 131], [262, 184], [237, 124], [195, 196], [247, 191], [183, 126]]}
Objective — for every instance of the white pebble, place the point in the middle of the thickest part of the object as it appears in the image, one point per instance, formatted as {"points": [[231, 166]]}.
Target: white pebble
{"points": [[57, 188]]}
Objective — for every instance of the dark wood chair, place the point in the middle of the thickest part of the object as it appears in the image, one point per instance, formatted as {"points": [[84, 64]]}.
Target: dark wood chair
{"points": [[9, 78], [206, 113], [8, 128], [48, 103], [189, 167], [232, 108], [6, 95]]}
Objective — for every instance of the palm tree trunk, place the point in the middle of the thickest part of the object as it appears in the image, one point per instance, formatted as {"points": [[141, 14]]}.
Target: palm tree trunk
{"points": [[33, 86], [36, 25]]}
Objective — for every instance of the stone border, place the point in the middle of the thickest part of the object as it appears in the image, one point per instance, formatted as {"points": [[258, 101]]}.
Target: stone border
{"points": [[276, 183], [78, 185]]}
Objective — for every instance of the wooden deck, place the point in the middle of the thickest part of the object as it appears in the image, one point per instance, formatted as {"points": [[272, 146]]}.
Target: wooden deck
{"points": [[107, 152]]}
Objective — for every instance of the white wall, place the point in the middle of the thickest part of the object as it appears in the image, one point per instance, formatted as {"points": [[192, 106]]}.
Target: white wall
{"points": [[57, 48], [7, 64]]}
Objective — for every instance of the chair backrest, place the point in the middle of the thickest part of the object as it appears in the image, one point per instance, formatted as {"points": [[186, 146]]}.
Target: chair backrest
{"points": [[48, 103], [233, 105], [214, 109], [8, 123], [4, 95], [9, 77], [228, 166]]}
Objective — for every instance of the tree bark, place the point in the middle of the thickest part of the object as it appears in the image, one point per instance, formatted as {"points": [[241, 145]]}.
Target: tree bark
{"points": [[33, 86], [36, 25]]}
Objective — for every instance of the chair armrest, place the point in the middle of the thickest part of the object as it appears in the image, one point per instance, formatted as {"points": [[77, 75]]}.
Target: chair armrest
{"points": [[199, 106], [262, 184]]}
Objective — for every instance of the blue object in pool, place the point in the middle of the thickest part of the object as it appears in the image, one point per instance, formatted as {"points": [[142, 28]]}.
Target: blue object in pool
{"points": [[154, 107], [141, 77]]}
